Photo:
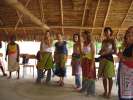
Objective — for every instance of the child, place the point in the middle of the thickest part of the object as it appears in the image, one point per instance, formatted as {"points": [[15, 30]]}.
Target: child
{"points": [[60, 57], [76, 67], [88, 66]]}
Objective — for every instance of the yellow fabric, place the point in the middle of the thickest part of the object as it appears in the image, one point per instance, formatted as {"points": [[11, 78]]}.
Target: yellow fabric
{"points": [[88, 55], [12, 49]]}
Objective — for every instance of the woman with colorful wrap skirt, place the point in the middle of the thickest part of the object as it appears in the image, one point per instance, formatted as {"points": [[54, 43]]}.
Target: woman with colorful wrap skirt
{"points": [[88, 65], [45, 59], [75, 62], [13, 56], [125, 70], [60, 58], [106, 67]]}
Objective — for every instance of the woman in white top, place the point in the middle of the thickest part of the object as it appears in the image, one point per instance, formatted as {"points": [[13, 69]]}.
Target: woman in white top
{"points": [[44, 56]]}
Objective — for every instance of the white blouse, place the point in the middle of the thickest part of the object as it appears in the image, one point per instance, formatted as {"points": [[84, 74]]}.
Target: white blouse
{"points": [[45, 48]]}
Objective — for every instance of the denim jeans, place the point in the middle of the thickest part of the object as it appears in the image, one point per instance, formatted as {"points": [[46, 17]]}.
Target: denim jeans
{"points": [[48, 78], [77, 80], [39, 75], [90, 87], [84, 85]]}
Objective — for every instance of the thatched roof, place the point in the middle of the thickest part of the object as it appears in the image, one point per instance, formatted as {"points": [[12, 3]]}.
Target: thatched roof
{"points": [[67, 16]]}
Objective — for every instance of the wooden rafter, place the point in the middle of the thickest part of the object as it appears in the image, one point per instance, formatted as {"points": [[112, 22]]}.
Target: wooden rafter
{"points": [[98, 3], [62, 15], [20, 16], [2, 23], [106, 17], [65, 27], [83, 17], [18, 6], [42, 10], [125, 17], [21, 21]]}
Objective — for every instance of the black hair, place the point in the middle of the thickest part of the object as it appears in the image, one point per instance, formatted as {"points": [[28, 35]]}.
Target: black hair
{"points": [[13, 37], [108, 28], [76, 34], [88, 36]]}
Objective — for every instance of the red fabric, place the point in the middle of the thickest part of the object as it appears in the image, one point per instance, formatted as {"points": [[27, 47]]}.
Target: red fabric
{"points": [[87, 71], [129, 63]]}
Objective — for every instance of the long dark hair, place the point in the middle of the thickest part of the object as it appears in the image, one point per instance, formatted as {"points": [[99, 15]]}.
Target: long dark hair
{"points": [[125, 36], [76, 34], [87, 37]]}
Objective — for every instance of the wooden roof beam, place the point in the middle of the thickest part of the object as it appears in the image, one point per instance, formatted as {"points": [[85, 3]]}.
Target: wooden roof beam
{"points": [[20, 16], [20, 21], [18, 6], [2, 23], [65, 27], [98, 3], [105, 20], [130, 7], [42, 10], [62, 16], [83, 17]]}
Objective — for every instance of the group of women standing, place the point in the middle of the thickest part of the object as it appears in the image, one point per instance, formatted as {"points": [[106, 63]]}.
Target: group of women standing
{"points": [[45, 60], [87, 62], [83, 59]]}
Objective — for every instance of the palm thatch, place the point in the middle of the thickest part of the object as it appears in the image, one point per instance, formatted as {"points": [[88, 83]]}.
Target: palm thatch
{"points": [[67, 16]]}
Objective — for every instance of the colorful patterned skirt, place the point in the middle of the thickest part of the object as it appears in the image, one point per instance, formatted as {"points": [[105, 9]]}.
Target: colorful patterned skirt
{"points": [[106, 69], [76, 66], [13, 65], [60, 69], [88, 72], [46, 61], [125, 82]]}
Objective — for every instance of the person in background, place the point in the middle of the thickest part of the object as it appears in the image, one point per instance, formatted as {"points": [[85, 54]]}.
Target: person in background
{"points": [[106, 67], [88, 65], [125, 69], [13, 53], [60, 58], [76, 66], [45, 59], [1, 67]]}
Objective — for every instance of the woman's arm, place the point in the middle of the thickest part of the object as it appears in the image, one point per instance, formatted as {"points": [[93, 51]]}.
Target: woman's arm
{"points": [[6, 52], [114, 47], [93, 54], [18, 53]]}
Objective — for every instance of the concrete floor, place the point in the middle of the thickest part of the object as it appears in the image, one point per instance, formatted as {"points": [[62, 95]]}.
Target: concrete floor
{"points": [[26, 89]]}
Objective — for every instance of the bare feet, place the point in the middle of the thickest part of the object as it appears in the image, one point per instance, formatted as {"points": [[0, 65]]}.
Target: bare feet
{"points": [[104, 94], [61, 84], [109, 95], [4, 74], [17, 77], [9, 77]]}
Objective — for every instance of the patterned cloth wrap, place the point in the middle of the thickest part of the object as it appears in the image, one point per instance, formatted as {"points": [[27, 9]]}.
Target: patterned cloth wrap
{"points": [[45, 61]]}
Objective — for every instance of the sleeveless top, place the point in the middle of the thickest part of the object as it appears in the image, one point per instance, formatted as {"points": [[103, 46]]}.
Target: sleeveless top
{"points": [[45, 48], [12, 49], [88, 52]]}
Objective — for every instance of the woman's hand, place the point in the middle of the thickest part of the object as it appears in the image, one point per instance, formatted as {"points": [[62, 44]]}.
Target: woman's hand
{"points": [[120, 55]]}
